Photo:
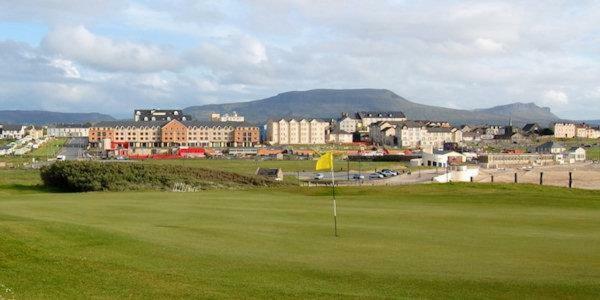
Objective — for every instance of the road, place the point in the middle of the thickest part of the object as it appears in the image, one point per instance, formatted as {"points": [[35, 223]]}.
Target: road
{"points": [[342, 177], [74, 148]]}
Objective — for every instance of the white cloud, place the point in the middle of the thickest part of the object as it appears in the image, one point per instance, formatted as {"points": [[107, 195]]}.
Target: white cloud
{"points": [[468, 53], [555, 97], [69, 69], [79, 44], [489, 45]]}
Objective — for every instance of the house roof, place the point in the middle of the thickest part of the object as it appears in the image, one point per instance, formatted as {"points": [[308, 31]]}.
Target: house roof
{"points": [[69, 126], [530, 126], [267, 172], [163, 123], [439, 129], [298, 120], [12, 127], [380, 114], [337, 131]]}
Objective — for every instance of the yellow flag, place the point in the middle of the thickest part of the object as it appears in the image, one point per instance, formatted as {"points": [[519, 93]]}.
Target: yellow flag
{"points": [[325, 162]]}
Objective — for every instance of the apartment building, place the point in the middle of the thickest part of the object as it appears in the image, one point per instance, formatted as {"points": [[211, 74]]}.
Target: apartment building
{"points": [[347, 124], [13, 131], [565, 130], [366, 118], [421, 134], [571, 130], [297, 132], [69, 130], [233, 117], [340, 137], [383, 133], [174, 133], [587, 132]]}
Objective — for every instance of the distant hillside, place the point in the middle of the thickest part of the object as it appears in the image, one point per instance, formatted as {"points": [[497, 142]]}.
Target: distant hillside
{"points": [[591, 122], [522, 111], [330, 103], [39, 117]]}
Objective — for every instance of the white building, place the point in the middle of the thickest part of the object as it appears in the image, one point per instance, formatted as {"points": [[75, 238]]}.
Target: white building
{"points": [[13, 131], [347, 124], [565, 130], [419, 134], [383, 133], [587, 132], [576, 154], [366, 118], [340, 137], [233, 117], [69, 130], [297, 132], [443, 158]]}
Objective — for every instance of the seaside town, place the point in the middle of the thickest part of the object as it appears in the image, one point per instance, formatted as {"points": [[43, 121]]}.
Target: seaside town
{"points": [[456, 153], [299, 149]]}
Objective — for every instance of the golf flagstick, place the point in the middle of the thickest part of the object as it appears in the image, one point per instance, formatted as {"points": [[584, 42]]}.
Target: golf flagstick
{"points": [[333, 194]]}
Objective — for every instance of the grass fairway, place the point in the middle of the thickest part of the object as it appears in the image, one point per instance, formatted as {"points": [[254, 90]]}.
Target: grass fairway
{"points": [[429, 241]]}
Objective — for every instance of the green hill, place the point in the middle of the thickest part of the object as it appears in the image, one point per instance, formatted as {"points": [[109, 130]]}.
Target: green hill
{"points": [[326, 104]]}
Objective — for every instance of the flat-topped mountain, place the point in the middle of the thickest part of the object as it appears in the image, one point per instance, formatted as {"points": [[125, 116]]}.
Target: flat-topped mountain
{"points": [[328, 103], [40, 117]]}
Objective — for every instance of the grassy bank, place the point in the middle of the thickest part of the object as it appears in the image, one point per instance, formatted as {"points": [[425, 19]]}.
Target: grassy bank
{"points": [[47, 151], [430, 241]]}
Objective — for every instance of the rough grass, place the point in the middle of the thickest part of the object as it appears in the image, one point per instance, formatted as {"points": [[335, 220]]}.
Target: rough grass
{"points": [[430, 241], [87, 176]]}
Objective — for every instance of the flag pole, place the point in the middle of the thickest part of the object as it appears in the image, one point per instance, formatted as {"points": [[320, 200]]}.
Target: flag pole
{"points": [[333, 196]]}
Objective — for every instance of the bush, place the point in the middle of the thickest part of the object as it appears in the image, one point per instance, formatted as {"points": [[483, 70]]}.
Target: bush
{"points": [[81, 176]]}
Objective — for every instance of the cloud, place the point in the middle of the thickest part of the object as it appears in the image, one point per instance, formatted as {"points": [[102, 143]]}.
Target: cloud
{"points": [[79, 44], [57, 11], [119, 54], [554, 97]]}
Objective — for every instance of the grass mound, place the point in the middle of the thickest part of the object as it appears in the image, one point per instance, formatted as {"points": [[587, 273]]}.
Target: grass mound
{"points": [[77, 176]]}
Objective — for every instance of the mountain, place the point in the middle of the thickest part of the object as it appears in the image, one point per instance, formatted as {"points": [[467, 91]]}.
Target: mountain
{"points": [[40, 117], [591, 122], [522, 111], [326, 104]]}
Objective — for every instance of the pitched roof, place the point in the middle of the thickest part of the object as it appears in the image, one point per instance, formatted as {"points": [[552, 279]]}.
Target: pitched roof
{"points": [[439, 129], [530, 126], [163, 123], [267, 172], [12, 127], [380, 114], [69, 126]]}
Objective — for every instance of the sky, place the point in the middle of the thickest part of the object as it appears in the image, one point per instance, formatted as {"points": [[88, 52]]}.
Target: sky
{"points": [[112, 56]]}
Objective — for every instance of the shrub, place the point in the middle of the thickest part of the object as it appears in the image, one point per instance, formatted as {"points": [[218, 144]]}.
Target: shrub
{"points": [[85, 176]]}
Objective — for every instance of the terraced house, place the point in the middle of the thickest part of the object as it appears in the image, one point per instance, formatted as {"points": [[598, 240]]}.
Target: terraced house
{"points": [[174, 133]]}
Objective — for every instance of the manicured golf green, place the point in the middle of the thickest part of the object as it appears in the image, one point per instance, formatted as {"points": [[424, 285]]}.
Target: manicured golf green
{"points": [[428, 241]]}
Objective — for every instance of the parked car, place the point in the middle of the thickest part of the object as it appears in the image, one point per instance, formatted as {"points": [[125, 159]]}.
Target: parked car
{"points": [[388, 173], [358, 176], [319, 176], [61, 157], [376, 176]]}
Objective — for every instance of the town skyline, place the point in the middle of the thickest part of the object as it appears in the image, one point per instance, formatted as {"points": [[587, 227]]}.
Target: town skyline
{"points": [[106, 56]]}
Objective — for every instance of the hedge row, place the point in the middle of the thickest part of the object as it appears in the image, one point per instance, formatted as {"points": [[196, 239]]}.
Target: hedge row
{"points": [[85, 176]]}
